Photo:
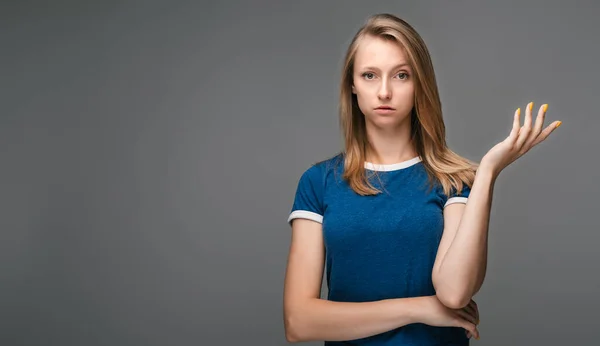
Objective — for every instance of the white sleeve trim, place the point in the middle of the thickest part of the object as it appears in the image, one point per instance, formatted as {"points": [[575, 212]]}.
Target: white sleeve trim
{"points": [[305, 214], [455, 200]]}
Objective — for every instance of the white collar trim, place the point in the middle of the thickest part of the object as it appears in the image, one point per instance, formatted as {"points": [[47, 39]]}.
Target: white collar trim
{"points": [[392, 166]]}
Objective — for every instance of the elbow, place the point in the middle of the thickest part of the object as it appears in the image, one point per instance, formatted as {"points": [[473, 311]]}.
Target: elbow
{"points": [[450, 296], [453, 300], [293, 327], [292, 336]]}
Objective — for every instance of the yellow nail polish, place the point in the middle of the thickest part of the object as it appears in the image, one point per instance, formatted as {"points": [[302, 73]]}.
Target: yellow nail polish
{"points": [[558, 124], [477, 337], [519, 111], [530, 105], [545, 108]]}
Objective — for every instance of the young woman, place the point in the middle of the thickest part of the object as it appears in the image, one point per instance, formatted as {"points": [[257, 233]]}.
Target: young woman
{"points": [[398, 220]]}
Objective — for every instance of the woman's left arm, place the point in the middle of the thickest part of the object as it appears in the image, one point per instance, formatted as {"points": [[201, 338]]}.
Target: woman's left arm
{"points": [[461, 261]]}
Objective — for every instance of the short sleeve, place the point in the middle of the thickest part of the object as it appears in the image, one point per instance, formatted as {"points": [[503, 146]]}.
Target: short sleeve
{"points": [[455, 197], [308, 201]]}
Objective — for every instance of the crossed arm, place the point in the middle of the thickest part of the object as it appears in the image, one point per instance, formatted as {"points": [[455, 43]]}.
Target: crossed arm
{"points": [[461, 261]]}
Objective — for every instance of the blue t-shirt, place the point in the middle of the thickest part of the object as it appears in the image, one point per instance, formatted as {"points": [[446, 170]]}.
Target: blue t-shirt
{"points": [[383, 246]]}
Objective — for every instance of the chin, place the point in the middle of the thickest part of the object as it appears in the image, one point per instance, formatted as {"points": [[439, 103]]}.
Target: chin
{"points": [[385, 121]]}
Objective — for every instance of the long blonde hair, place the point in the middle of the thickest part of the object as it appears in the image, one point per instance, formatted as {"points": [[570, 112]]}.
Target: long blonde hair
{"points": [[427, 125]]}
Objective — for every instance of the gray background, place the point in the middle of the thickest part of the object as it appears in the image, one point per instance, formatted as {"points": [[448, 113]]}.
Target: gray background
{"points": [[150, 151]]}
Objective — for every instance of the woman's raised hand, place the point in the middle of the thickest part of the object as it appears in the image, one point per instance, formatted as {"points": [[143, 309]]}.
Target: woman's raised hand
{"points": [[520, 140]]}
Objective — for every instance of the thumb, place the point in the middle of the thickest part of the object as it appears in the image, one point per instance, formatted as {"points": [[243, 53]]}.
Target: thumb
{"points": [[470, 327]]}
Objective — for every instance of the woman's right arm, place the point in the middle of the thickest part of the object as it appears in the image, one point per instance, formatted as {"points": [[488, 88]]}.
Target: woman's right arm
{"points": [[309, 318]]}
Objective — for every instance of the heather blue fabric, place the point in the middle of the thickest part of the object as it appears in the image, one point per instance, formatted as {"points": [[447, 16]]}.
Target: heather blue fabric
{"points": [[379, 247]]}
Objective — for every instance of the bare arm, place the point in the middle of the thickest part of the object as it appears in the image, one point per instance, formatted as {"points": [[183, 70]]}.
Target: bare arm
{"points": [[461, 262], [308, 318]]}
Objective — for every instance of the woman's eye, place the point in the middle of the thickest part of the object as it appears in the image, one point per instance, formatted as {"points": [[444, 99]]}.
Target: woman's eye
{"points": [[368, 75]]}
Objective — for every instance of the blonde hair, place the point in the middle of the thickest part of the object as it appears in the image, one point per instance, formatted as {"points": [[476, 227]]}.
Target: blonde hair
{"points": [[428, 132]]}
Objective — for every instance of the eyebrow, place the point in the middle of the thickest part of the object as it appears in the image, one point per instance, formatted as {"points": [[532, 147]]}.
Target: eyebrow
{"points": [[393, 68]]}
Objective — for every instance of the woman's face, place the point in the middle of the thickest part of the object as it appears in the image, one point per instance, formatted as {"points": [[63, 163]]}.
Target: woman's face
{"points": [[383, 82]]}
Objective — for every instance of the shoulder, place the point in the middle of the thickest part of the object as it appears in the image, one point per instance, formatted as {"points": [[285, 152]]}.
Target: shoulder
{"points": [[331, 162], [320, 170], [309, 201]]}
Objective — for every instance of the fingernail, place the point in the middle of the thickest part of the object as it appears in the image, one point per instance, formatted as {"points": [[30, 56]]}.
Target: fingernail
{"points": [[530, 105], [519, 111], [477, 337], [545, 108], [558, 124]]}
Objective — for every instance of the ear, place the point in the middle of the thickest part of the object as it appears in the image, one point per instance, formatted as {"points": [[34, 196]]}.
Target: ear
{"points": [[353, 89]]}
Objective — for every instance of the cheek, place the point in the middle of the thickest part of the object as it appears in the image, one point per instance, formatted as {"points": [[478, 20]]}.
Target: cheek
{"points": [[406, 94], [363, 93], [366, 94], [362, 88]]}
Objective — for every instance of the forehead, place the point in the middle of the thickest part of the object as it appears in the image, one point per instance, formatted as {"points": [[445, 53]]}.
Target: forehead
{"points": [[379, 52]]}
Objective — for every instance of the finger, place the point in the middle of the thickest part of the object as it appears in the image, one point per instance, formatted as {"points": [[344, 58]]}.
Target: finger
{"points": [[476, 310], [470, 310], [466, 316], [512, 138], [470, 327], [537, 128], [547, 131], [475, 315], [529, 115], [469, 315], [526, 129], [473, 305]]}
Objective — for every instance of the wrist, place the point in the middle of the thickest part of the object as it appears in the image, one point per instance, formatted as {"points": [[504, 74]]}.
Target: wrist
{"points": [[487, 171], [420, 308]]}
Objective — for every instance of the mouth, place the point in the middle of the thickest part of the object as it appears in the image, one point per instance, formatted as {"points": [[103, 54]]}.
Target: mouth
{"points": [[385, 108]]}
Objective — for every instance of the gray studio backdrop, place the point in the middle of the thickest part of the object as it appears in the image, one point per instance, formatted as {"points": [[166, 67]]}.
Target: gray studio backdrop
{"points": [[150, 151]]}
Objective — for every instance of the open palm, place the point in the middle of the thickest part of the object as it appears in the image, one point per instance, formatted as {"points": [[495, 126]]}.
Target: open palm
{"points": [[520, 140]]}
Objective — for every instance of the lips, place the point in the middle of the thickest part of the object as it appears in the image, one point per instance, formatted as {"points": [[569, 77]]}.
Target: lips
{"points": [[385, 107]]}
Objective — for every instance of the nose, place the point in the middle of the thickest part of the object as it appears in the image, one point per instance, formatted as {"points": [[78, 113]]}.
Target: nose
{"points": [[385, 92]]}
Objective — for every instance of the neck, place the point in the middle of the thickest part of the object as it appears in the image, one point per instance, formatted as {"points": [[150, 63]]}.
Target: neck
{"points": [[389, 145]]}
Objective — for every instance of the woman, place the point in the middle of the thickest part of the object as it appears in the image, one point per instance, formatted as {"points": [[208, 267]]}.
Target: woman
{"points": [[399, 220]]}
